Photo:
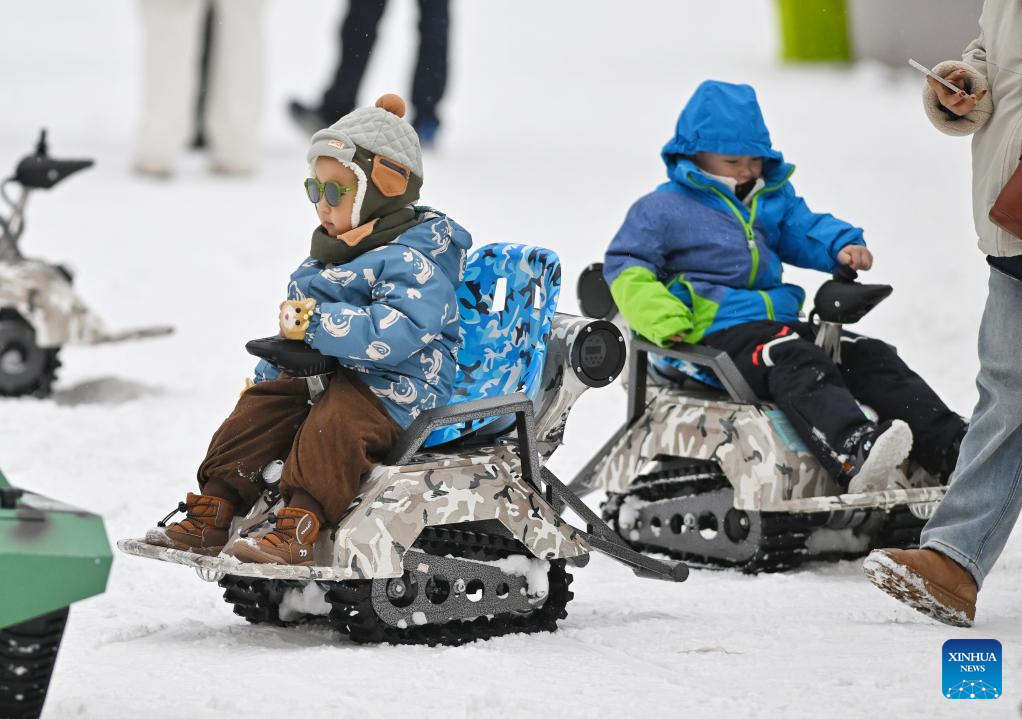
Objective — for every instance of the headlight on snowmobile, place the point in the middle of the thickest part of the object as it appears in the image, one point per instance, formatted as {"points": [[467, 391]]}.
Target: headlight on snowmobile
{"points": [[598, 353]]}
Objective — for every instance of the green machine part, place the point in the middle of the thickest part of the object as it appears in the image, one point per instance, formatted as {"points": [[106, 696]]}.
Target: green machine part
{"points": [[814, 30], [51, 554]]}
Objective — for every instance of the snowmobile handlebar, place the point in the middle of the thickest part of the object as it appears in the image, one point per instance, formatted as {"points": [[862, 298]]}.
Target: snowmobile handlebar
{"points": [[39, 171], [844, 301], [292, 357]]}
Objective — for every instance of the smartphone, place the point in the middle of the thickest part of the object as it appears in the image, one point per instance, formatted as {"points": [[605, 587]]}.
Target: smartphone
{"points": [[923, 69]]}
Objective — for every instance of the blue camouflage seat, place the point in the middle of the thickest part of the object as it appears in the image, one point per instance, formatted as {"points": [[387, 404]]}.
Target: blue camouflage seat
{"points": [[507, 303], [674, 370]]}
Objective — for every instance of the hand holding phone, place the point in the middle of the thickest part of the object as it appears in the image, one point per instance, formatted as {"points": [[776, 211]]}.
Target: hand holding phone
{"points": [[951, 96], [930, 73]]}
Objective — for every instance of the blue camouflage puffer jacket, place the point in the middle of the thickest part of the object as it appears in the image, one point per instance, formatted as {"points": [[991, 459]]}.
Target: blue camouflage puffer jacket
{"points": [[691, 257], [391, 314]]}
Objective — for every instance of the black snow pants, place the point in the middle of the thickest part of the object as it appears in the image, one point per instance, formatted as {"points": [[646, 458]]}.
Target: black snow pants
{"points": [[783, 365], [358, 36]]}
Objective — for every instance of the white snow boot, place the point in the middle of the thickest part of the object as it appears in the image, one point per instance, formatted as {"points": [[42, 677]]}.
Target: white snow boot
{"points": [[874, 457]]}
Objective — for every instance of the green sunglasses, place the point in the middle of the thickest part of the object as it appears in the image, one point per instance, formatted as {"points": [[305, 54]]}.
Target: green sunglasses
{"points": [[332, 190]]}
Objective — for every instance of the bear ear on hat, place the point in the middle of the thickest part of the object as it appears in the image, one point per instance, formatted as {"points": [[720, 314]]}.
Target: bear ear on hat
{"points": [[392, 103]]}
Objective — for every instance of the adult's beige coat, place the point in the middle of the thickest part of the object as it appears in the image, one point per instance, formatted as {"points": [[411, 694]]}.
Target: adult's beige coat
{"points": [[993, 61]]}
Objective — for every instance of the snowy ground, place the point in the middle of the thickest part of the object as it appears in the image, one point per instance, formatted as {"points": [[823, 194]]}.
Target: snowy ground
{"points": [[554, 122]]}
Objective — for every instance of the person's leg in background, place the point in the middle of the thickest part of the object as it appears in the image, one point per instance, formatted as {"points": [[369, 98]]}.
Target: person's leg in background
{"points": [[430, 79], [236, 86], [357, 37], [171, 42], [199, 136]]}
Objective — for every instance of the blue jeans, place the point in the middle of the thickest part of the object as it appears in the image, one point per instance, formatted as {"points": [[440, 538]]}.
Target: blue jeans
{"points": [[976, 516]]}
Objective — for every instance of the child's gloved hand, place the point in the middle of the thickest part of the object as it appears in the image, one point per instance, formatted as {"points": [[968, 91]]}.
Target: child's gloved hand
{"points": [[855, 256], [294, 318], [960, 103]]}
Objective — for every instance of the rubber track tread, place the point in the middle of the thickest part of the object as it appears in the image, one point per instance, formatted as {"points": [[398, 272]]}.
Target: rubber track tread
{"points": [[257, 600], [354, 614], [901, 531], [784, 535], [28, 651]]}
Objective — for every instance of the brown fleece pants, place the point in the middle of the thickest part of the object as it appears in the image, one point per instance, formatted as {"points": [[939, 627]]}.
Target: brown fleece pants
{"points": [[326, 447]]}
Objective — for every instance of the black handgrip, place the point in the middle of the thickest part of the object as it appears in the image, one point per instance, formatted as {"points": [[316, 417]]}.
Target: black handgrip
{"points": [[292, 357], [846, 273], [845, 302], [41, 172]]}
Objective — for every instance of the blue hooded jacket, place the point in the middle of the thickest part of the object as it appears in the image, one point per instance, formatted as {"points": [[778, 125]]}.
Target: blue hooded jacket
{"points": [[391, 314], [691, 257]]}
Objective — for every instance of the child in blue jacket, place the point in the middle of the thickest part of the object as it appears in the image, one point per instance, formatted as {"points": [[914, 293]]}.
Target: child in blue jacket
{"points": [[378, 293], [699, 260]]}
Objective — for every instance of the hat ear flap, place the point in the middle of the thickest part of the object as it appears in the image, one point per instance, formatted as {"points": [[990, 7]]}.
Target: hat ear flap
{"points": [[390, 177]]}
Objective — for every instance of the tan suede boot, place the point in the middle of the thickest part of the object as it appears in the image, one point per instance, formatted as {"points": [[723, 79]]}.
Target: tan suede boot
{"points": [[289, 542], [204, 530], [927, 581]]}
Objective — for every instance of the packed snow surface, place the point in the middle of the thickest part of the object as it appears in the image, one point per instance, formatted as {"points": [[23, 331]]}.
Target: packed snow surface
{"points": [[553, 126]]}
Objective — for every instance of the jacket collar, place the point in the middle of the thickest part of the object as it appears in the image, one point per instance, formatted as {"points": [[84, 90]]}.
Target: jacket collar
{"points": [[686, 173]]}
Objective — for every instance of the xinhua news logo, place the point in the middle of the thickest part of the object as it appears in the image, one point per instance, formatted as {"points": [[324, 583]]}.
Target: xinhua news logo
{"points": [[972, 669]]}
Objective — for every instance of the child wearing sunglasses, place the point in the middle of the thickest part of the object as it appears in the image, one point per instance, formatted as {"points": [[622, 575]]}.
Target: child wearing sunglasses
{"points": [[699, 260], [378, 293]]}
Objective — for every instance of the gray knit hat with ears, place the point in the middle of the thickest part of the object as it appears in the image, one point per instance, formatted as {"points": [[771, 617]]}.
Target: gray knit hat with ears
{"points": [[382, 130], [375, 143]]}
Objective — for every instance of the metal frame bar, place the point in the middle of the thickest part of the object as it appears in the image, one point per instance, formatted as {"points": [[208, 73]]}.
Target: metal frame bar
{"points": [[597, 533], [606, 540], [518, 404], [716, 360]]}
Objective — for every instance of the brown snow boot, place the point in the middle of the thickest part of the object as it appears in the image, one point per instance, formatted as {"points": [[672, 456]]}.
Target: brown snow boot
{"points": [[204, 530], [927, 581], [289, 542]]}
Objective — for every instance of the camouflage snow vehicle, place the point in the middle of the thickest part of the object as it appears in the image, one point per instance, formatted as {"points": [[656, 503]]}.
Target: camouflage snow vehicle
{"points": [[51, 555], [459, 535], [39, 310], [702, 470]]}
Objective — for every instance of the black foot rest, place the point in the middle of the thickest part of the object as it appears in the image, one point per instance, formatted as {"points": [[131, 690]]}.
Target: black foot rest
{"points": [[292, 357]]}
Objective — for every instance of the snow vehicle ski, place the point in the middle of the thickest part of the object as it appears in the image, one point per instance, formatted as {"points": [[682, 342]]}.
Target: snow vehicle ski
{"points": [[39, 310], [459, 534], [705, 472]]}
